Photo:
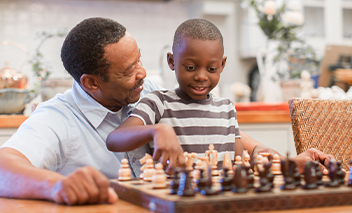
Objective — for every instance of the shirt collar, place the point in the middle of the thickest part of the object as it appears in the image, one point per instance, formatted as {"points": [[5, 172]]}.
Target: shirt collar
{"points": [[90, 108]]}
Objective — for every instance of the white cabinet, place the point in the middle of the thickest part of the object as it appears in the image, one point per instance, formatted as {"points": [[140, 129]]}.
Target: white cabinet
{"points": [[277, 136], [5, 134]]}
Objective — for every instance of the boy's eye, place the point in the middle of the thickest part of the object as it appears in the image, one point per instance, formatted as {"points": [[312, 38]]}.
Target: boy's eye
{"points": [[191, 68], [213, 69]]}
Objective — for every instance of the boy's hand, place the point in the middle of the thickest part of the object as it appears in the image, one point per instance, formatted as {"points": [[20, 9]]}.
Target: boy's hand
{"points": [[167, 147]]}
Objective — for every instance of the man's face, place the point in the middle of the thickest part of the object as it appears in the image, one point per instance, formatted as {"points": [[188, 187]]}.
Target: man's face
{"points": [[126, 74], [198, 65]]}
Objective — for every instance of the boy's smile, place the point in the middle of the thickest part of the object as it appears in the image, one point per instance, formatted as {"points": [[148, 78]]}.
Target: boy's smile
{"points": [[198, 65]]}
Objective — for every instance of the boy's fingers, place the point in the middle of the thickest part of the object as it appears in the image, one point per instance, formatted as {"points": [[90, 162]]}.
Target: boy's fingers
{"points": [[156, 154]]}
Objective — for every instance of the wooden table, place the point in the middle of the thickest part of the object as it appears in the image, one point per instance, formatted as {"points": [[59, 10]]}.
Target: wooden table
{"points": [[36, 206]]}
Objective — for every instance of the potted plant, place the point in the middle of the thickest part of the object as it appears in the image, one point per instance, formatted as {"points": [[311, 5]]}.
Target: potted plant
{"points": [[286, 54], [49, 87]]}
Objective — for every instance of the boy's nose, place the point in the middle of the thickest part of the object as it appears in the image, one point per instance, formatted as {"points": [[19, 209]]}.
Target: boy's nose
{"points": [[200, 76]]}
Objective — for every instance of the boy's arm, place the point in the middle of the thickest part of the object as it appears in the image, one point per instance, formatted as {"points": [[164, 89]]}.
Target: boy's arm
{"points": [[238, 148], [132, 133], [254, 148]]}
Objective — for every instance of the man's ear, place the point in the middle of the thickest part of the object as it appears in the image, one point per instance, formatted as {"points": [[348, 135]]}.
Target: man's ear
{"points": [[90, 82], [170, 61], [223, 62]]}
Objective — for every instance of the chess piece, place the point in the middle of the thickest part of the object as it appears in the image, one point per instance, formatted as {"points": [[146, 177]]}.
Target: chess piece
{"points": [[149, 171], [258, 165], [340, 174], [174, 183], [288, 170], [143, 161], [238, 160], [265, 157], [278, 182], [246, 158], [265, 180], [185, 187], [332, 175], [201, 182], [240, 179], [250, 177], [213, 155], [310, 176], [208, 189], [159, 178], [227, 163], [196, 172], [226, 181], [319, 174], [124, 171], [190, 159], [276, 166]]}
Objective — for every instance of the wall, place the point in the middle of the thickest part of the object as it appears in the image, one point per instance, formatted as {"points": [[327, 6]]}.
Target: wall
{"points": [[152, 23]]}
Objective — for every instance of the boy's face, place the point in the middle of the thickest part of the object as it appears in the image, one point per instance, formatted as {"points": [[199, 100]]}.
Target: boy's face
{"points": [[198, 65]]}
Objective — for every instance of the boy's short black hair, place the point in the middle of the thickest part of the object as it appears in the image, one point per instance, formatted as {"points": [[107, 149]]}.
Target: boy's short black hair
{"points": [[83, 49], [200, 29]]}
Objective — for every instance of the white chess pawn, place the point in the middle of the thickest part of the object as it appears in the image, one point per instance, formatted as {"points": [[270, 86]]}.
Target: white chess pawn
{"points": [[259, 165], [143, 161], [149, 171], [159, 178], [124, 171], [238, 160], [265, 158], [246, 158], [227, 163], [276, 166]]}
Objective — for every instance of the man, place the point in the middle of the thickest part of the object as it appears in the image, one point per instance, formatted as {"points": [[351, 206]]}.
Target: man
{"points": [[59, 152]]}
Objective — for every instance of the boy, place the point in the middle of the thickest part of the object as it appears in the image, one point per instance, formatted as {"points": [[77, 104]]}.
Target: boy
{"points": [[198, 119]]}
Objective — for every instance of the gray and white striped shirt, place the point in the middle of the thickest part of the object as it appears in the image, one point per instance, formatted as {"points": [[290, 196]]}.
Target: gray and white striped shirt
{"points": [[197, 123]]}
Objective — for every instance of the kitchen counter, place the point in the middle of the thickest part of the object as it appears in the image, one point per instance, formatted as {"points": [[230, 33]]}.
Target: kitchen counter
{"points": [[253, 112]]}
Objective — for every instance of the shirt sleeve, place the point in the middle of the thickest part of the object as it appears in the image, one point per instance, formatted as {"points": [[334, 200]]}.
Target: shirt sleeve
{"points": [[237, 129], [150, 108]]}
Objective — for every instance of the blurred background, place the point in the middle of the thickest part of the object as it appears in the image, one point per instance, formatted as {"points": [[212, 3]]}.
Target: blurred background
{"points": [[259, 61]]}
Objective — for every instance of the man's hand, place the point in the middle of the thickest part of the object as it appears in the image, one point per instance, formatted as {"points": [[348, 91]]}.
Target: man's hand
{"points": [[313, 155], [167, 147], [85, 186]]}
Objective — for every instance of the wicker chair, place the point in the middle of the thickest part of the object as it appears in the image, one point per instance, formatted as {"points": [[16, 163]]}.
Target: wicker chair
{"points": [[323, 124]]}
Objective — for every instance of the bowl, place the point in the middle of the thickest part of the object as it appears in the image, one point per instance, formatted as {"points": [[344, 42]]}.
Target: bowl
{"points": [[13, 100]]}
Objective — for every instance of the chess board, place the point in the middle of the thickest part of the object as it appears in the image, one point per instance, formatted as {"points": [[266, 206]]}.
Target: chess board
{"points": [[141, 193]]}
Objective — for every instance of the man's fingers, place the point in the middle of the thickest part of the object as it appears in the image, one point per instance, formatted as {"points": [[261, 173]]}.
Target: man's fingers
{"points": [[112, 196]]}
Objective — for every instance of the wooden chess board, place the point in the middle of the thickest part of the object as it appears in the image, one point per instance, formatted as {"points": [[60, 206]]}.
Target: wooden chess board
{"points": [[141, 193]]}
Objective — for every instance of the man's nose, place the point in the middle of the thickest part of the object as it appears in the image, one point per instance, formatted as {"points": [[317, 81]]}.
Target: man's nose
{"points": [[142, 73]]}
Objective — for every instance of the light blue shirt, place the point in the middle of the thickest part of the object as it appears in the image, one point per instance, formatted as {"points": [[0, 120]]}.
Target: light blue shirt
{"points": [[70, 130]]}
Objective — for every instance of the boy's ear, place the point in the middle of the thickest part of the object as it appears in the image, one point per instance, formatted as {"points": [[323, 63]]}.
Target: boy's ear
{"points": [[223, 62], [90, 82], [170, 61]]}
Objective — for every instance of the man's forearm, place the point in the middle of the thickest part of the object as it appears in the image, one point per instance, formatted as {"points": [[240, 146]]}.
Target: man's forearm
{"points": [[20, 179]]}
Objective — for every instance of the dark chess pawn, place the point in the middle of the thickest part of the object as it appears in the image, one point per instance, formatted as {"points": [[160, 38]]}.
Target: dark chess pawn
{"points": [[240, 179], [310, 175], [297, 177], [340, 174], [208, 189], [349, 184], [185, 187], [264, 179], [319, 174], [201, 182], [250, 177], [332, 175], [226, 181], [270, 175], [174, 183], [288, 169]]}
